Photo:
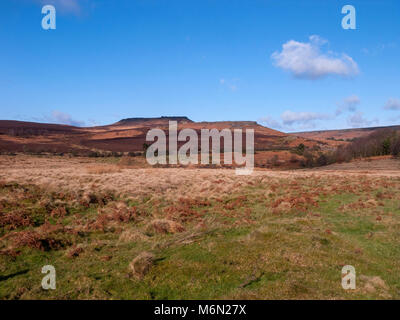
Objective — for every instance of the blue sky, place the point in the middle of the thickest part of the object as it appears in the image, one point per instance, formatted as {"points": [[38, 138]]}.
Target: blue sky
{"points": [[286, 64]]}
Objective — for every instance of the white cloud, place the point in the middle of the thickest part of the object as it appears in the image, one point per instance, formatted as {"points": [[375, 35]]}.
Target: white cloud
{"points": [[348, 104], [392, 104], [305, 60]]}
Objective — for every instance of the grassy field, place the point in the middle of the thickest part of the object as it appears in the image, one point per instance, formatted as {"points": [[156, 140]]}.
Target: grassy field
{"points": [[115, 232]]}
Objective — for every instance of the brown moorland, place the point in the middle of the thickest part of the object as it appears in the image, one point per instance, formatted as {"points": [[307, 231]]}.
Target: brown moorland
{"points": [[127, 136]]}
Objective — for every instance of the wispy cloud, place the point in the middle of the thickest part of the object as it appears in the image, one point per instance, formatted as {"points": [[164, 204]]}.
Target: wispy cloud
{"points": [[65, 118], [376, 50], [270, 122], [392, 104], [65, 6], [302, 120], [290, 120], [56, 116], [231, 84], [305, 60], [357, 120], [290, 117], [348, 104]]}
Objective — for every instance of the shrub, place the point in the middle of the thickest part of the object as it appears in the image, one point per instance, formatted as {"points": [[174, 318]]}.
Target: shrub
{"points": [[309, 159], [300, 149], [396, 147], [378, 143], [322, 160]]}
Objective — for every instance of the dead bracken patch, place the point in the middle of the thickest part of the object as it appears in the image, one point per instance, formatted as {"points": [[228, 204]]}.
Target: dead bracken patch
{"points": [[116, 214], [186, 209], [35, 240], [15, 219], [360, 204], [74, 252]]}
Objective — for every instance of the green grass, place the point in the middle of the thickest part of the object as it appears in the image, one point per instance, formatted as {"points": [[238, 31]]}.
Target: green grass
{"points": [[292, 254]]}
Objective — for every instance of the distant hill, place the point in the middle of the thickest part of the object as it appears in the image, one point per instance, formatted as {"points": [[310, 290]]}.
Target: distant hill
{"points": [[153, 120], [340, 136], [126, 135], [129, 135]]}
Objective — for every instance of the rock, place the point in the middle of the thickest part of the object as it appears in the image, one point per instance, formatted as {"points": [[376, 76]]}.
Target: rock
{"points": [[373, 284], [378, 282], [141, 265]]}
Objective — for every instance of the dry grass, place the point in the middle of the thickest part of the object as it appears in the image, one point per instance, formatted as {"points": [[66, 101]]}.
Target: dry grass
{"points": [[85, 175], [102, 169]]}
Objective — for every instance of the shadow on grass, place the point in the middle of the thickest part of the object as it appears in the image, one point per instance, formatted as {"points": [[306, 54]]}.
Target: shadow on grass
{"points": [[12, 275]]}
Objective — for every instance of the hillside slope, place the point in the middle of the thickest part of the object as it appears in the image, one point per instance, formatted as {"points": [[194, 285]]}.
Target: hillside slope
{"points": [[340, 136], [127, 135]]}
